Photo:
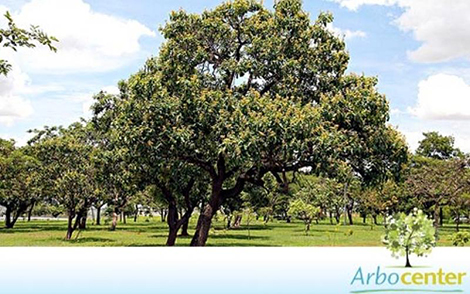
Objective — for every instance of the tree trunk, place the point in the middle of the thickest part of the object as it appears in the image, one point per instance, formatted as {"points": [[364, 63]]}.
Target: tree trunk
{"points": [[98, 215], [229, 221], [15, 218], [346, 205], [82, 221], [457, 221], [407, 258], [374, 217], [205, 218], [172, 234], [11, 217], [204, 225], [136, 214], [441, 217], [163, 215], [218, 196], [437, 212], [68, 236], [8, 222], [124, 218], [337, 215], [30, 211], [114, 221], [237, 222], [172, 220], [184, 228], [350, 215]]}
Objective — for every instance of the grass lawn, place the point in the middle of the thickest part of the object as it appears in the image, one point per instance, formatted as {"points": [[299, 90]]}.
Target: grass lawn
{"points": [[152, 232]]}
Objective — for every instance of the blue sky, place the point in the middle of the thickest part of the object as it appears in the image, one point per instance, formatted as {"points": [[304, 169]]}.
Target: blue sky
{"points": [[419, 50]]}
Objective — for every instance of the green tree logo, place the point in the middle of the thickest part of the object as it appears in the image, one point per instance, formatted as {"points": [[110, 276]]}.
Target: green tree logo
{"points": [[408, 234]]}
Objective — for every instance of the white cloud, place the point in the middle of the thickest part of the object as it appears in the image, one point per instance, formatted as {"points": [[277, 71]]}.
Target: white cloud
{"points": [[86, 99], [412, 138], [12, 106], [414, 130], [113, 90], [443, 97], [396, 111], [355, 4], [89, 41], [347, 34], [443, 27], [21, 140]]}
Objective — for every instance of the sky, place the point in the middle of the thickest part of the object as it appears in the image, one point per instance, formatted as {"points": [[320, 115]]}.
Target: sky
{"points": [[418, 49]]}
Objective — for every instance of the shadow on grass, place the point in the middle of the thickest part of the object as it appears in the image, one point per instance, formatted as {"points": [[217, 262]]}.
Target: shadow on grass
{"points": [[47, 227], [314, 230], [160, 236], [237, 237], [33, 229], [268, 227], [137, 228], [149, 245], [88, 240], [240, 245]]}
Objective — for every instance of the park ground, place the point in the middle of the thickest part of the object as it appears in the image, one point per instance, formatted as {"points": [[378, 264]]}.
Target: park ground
{"points": [[148, 231]]}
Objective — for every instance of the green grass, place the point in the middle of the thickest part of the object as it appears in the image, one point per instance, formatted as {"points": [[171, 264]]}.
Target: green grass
{"points": [[152, 232]]}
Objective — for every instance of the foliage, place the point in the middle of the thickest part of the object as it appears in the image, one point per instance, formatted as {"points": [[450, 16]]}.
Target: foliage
{"points": [[66, 170], [304, 211], [437, 146], [460, 206], [268, 201], [436, 183], [460, 238], [325, 193], [14, 37], [387, 198], [410, 234], [18, 181], [241, 91]]}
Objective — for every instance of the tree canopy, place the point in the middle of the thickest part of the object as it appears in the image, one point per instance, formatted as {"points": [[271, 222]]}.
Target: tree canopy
{"points": [[241, 91], [437, 146]]}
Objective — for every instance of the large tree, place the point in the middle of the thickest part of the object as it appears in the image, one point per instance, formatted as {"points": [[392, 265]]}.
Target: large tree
{"points": [[241, 91]]}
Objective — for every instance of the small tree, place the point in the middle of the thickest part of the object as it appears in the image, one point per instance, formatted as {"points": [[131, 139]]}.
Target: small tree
{"points": [[407, 234], [304, 211], [66, 171]]}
